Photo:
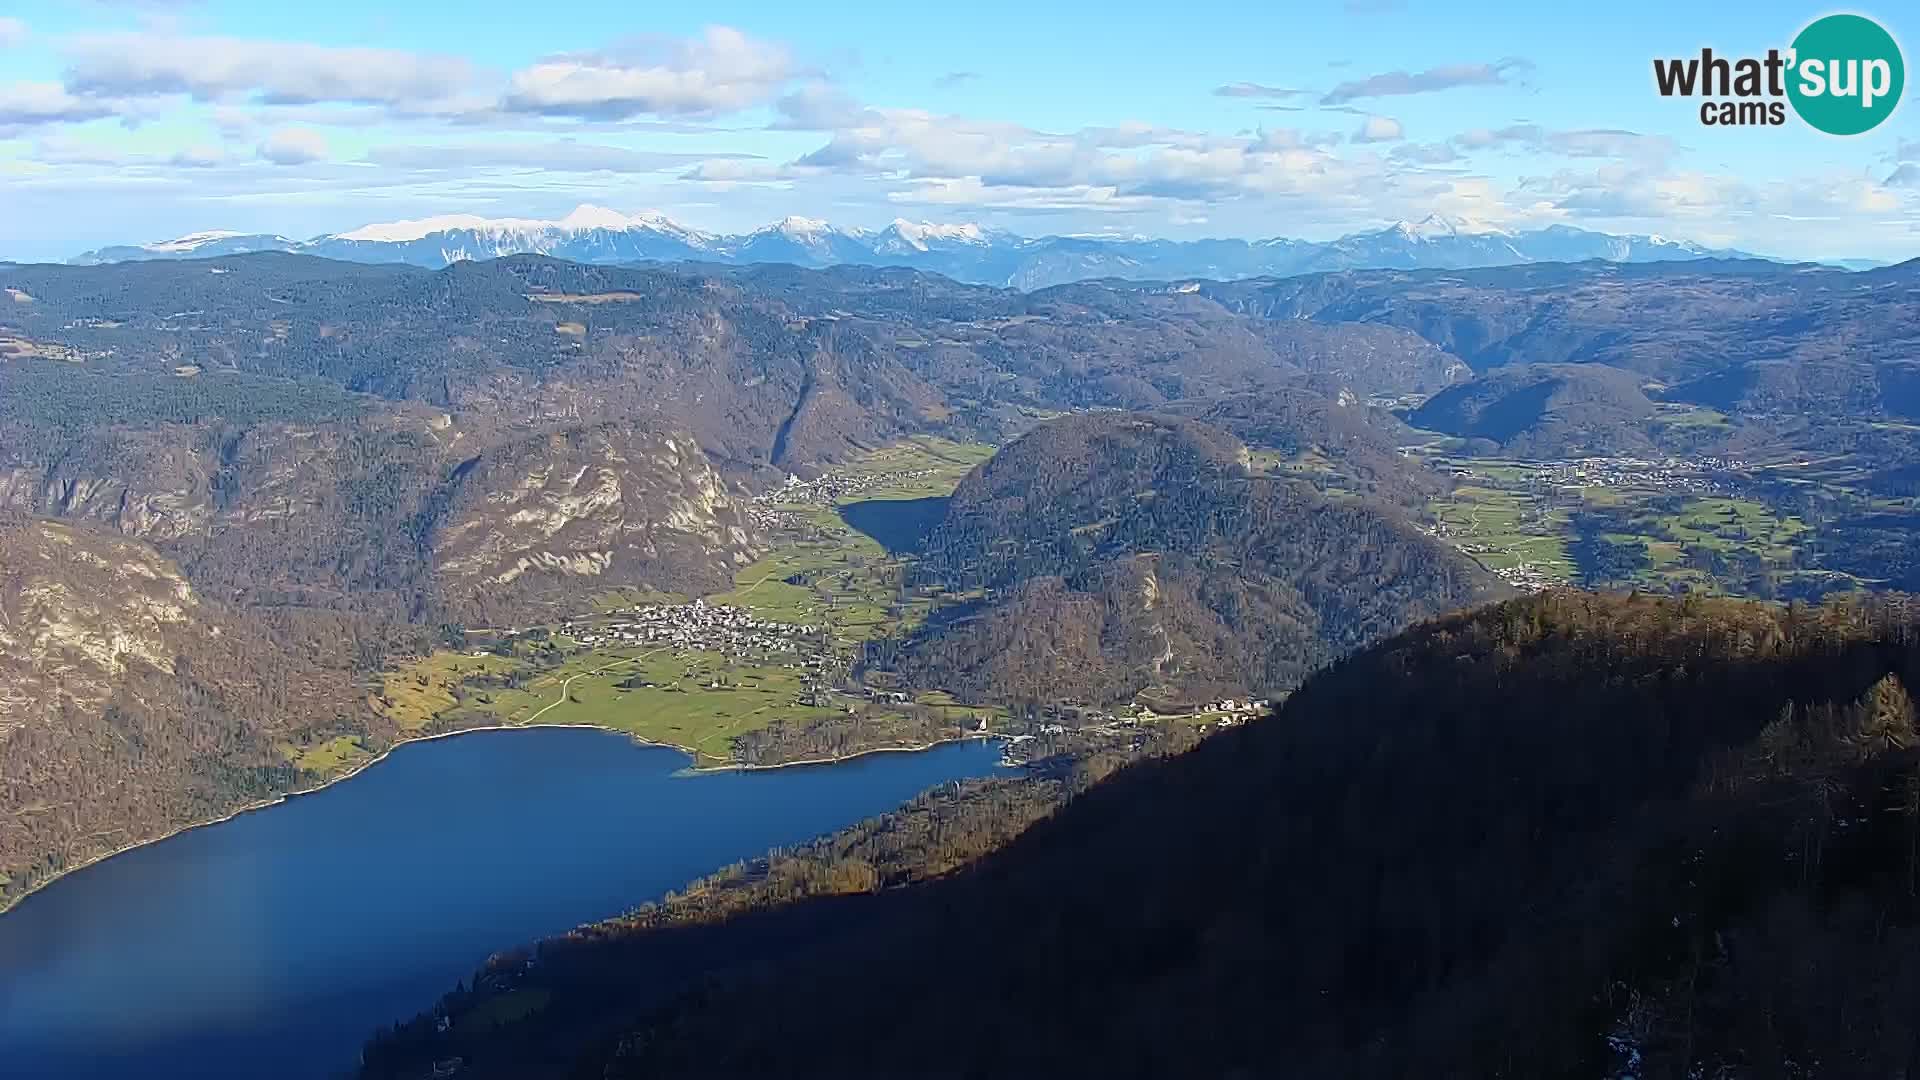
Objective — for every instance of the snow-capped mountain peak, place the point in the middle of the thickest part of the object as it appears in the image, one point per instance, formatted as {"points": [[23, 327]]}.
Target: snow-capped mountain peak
{"points": [[191, 241], [963, 250], [587, 217], [798, 227], [1659, 241], [581, 219], [810, 241], [915, 234], [400, 232], [1440, 227]]}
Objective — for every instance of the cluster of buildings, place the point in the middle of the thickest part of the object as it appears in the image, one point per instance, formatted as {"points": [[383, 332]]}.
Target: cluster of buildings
{"points": [[1527, 576], [1691, 475], [1236, 706], [696, 625], [825, 490], [1084, 719]]}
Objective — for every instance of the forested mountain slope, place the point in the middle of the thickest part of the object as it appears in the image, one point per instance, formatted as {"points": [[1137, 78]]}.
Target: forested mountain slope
{"points": [[132, 702], [394, 453], [389, 508], [1358, 443], [1545, 410], [768, 366], [1545, 838], [1126, 554], [293, 430], [1754, 337]]}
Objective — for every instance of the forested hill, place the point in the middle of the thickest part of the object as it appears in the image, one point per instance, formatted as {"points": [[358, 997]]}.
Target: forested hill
{"points": [[1739, 336], [132, 702], [1360, 443], [1546, 411], [1128, 555], [1547, 838]]}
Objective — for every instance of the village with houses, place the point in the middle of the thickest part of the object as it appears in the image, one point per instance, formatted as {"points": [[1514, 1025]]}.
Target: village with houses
{"points": [[697, 624], [1710, 475], [827, 489]]}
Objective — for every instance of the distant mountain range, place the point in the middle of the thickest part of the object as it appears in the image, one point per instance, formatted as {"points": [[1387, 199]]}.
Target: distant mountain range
{"points": [[964, 252]]}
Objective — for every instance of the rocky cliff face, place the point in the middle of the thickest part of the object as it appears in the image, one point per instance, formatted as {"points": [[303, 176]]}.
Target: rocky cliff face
{"points": [[152, 484], [78, 614], [400, 511], [132, 702], [540, 519]]}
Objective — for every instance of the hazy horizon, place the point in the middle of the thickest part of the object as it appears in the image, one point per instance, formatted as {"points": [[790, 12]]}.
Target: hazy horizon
{"points": [[131, 123]]}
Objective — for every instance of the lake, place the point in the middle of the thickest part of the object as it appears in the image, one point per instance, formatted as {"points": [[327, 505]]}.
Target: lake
{"points": [[272, 944], [899, 525]]}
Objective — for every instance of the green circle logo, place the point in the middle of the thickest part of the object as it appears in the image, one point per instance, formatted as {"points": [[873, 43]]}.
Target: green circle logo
{"points": [[1847, 74]]}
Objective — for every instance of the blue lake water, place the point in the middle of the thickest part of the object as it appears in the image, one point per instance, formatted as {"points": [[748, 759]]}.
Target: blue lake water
{"points": [[270, 945]]}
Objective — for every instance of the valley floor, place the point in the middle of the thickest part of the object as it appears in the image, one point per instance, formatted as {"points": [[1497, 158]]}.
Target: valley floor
{"points": [[760, 675], [1711, 524], [737, 678]]}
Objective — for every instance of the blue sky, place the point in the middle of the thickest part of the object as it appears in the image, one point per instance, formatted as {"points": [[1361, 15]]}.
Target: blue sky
{"points": [[138, 121]]}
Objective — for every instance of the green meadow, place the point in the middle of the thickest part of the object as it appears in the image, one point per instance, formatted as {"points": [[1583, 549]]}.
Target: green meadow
{"points": [[825, 574]]}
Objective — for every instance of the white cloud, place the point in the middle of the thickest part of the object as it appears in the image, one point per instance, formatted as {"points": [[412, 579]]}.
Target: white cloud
{"points": [[1396, 83], [728, 171], [199, 157], [1424, 154], [970, 192], [442, 133], [1256, 90], [722, 71], [233, 121], [12, 32], [1582, 142], [1724, 204], [294, 146], [821, 106], [226, 68], [69, 150], [560, 155], [26, 104], [953, 157], [1379, 129]]}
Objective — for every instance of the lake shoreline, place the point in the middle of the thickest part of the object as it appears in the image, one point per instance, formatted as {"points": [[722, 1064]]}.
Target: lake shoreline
{"points": [[264, 804]]}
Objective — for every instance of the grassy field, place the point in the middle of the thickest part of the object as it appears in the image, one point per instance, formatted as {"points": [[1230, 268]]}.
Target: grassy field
{"points": [[1507, 514], [826, 574], [417, 693], [697, 699], [1506, 528], [1698, 418], [845, 582], [950, 461], [327, 758], [1728, 524], [848, 581]]}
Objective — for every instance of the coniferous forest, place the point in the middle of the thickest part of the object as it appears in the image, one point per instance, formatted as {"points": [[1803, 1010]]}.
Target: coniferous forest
{"points": [[1564, 835]]}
